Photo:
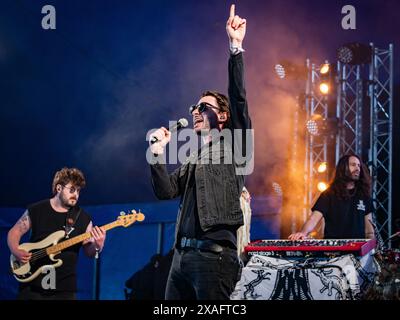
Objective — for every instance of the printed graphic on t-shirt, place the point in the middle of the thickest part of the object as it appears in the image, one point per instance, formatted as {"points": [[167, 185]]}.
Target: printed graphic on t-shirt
{"points": [[360, 205]]}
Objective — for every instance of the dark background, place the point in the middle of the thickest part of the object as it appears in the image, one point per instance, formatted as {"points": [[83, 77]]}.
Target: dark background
{"points": [[86, 94]]}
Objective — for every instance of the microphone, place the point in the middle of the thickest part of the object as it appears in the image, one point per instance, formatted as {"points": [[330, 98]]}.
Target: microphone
{"points": [[181, 123]]}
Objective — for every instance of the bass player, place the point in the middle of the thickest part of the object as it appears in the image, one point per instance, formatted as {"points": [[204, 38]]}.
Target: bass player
{"points": [[45, 217]]}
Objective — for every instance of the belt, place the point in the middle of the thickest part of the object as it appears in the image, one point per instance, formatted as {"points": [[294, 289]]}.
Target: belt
{"points": [[206, 245]]}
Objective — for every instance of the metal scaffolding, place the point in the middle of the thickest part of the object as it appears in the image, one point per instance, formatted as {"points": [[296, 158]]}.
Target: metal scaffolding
{"points": [[381, 94], [350, 104], [353, 84], [349, 110], [316, 148]]}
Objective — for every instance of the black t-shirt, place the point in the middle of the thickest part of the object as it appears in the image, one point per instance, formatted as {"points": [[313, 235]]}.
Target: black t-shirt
{"points": [[44, 221], [344, 219]]}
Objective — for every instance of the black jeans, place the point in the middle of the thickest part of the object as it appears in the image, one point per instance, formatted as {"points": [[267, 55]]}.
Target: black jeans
{"points": [[202, 275], [28, 293]]}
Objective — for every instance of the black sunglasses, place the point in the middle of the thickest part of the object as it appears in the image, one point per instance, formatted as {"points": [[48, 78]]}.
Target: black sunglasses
{"points": [[201, 107]]}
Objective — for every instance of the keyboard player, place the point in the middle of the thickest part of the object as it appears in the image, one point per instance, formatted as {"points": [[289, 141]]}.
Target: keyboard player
{"points": [[346, 206]]}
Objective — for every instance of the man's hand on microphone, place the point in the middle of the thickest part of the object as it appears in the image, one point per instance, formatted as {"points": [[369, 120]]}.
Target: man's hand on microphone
{"points": [[163, 137]]}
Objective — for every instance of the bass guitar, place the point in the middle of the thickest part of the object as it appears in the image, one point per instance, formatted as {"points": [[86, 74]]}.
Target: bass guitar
{"points": [[44, 252]]}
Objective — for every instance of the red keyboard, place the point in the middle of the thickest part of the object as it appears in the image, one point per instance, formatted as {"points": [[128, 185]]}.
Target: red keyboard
{"points": [[310, 247]]}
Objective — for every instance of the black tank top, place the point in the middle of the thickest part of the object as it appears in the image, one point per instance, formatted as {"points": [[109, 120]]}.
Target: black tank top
{"points": [[44, 221]]}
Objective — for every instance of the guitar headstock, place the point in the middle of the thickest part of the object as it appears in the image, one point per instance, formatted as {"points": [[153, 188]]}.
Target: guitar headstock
{"points": [[125, 220]]}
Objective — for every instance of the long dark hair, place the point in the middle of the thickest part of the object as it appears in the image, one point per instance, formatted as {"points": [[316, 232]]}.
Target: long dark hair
{"points": [[341, 178]]}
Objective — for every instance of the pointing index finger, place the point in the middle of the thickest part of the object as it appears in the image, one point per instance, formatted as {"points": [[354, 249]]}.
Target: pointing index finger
{"points": [[232, 12]]}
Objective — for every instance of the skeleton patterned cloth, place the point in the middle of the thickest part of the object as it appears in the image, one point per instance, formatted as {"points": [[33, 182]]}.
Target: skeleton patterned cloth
{"points": [[340, 278]]}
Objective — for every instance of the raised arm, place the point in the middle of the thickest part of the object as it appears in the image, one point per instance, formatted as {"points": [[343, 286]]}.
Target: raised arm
{"points": [[236, 30]]}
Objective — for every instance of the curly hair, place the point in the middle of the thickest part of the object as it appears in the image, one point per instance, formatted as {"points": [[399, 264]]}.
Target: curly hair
{"points": [[67, 175], [222, 101], [341, 178]]}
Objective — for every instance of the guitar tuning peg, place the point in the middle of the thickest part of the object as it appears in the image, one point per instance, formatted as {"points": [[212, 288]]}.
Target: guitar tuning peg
{"points": [[122, 213], [133, 211]]}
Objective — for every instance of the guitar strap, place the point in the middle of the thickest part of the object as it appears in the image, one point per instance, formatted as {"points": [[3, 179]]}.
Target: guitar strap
{"points": [[70, 220]]}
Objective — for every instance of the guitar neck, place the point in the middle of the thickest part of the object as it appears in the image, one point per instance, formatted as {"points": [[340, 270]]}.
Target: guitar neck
{"points": [[82, 237]]}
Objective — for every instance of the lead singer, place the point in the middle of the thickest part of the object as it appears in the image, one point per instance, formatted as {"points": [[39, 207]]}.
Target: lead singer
{"points": [[205, 263]]}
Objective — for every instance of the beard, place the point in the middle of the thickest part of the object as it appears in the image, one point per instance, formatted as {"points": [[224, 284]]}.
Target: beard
{"points": [[352, 176], [355, 176], [68, 202]]}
